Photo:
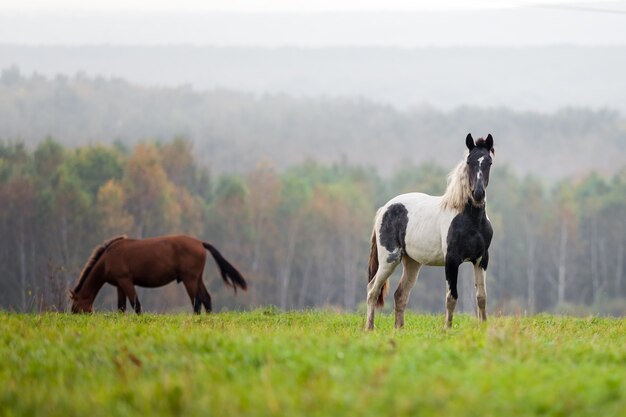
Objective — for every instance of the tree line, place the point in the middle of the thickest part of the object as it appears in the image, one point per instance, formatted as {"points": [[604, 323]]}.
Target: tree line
{"points": [[231, 130], [299, 235]]}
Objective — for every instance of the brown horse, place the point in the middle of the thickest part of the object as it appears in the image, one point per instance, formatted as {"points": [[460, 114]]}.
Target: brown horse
{"points": [[153, 262]]}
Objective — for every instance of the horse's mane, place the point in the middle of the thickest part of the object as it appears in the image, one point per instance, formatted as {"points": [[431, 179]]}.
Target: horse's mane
{"points": [[93, 258], [458, 189]]}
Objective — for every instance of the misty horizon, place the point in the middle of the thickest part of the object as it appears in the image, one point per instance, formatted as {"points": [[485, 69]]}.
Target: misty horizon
{"points": [[535, 79]]}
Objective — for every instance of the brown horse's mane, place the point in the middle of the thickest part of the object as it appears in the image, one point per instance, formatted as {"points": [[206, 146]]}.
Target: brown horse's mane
{"points": [[93, 258]]}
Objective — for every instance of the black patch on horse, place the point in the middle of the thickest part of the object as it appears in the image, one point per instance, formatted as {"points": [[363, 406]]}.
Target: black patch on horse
{"points": [[468, 238], [393, 230]]}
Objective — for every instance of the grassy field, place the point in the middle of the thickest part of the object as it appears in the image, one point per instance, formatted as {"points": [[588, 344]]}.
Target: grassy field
{"points": [[265, 363]]}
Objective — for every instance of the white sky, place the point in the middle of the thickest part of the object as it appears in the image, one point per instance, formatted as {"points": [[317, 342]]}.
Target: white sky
{"points": [[304, 6], [273, 23]]}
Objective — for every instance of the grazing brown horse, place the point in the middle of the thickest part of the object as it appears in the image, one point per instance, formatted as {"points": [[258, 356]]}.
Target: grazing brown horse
{"points": [[153, 262]]}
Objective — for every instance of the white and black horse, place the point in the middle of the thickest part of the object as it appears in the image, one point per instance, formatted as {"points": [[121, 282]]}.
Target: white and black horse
{"points": [[418, 229]]}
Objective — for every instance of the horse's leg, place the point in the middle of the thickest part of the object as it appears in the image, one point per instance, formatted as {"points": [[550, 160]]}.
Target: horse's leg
{"points": [[205, 296], [121, 300], [452, 295], [129, 289], [375, 287], [481, 291], [401, 296], [191, 285]]}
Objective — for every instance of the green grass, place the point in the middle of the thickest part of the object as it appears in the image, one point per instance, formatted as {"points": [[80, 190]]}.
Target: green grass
{"points": [[309, 364]]}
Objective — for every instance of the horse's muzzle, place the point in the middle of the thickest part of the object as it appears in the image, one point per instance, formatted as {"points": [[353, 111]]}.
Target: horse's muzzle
{"points": [[479, 195]]}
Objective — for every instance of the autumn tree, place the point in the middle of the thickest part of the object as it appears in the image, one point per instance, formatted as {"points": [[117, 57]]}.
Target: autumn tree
{"points": [[151, 195]]}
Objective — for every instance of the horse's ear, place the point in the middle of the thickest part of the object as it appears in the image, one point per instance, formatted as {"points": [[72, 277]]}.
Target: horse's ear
{"points": [[469, 142], [489, 142]]}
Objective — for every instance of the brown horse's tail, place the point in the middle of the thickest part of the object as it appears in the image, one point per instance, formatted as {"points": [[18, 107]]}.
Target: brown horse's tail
{"points": [[230, 275], [373, 268]]}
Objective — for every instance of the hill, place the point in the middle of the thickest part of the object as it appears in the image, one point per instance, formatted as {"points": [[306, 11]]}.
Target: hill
{"points": [[531, 78], [232, 130]]}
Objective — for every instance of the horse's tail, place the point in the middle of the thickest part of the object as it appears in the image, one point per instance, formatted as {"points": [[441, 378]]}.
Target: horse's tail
{"points": [[230, 275], [373, 268]]}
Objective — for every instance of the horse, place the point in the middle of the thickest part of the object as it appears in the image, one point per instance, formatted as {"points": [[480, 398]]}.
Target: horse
{"points": [[153, 262], [418, 229]]}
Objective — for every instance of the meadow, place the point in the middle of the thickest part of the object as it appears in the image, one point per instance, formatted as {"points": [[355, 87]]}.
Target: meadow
{"points": [[312, 363]]}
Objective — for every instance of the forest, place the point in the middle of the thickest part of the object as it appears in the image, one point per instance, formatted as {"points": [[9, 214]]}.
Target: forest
{"points": [[300, 235], [287, 189]]}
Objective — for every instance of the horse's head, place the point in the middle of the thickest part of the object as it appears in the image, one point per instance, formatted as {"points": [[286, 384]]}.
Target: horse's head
{"points": [[80, 304], [479, 162]]}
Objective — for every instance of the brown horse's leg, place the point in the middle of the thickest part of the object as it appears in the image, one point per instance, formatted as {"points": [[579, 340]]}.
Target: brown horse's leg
{"points": [[129, 289], [191, 285], [204, 296], [121, 300]]}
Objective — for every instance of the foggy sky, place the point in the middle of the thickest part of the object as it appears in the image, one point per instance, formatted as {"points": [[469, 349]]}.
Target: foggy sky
{"points": [[518, 26]]}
